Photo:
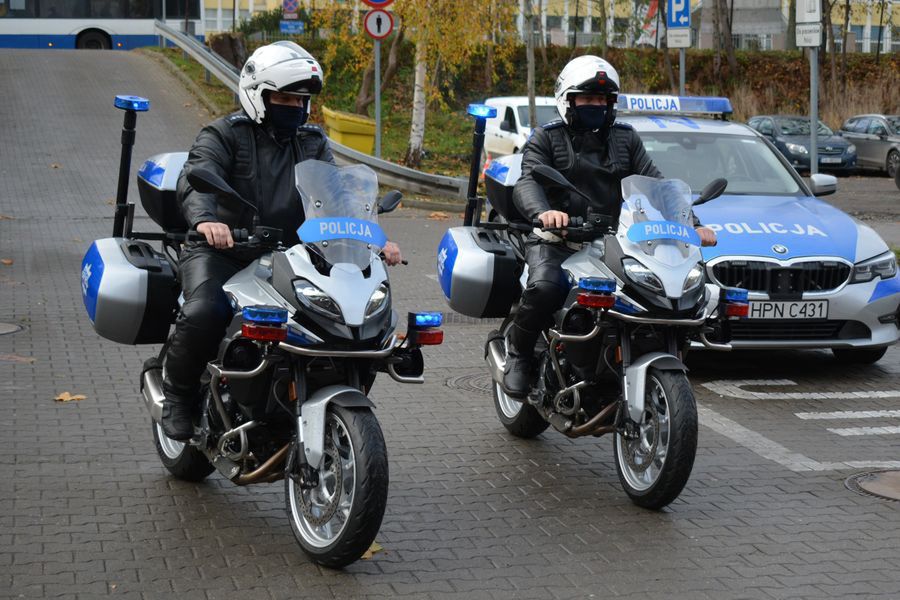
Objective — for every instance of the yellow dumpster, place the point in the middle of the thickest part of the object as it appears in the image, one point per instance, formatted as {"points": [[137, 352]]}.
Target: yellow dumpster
{"points": [[350, 129]]}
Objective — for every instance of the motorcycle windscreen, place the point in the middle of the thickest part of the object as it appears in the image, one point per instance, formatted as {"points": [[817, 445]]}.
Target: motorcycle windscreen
{"points": [[657, 216], [341, 209]]}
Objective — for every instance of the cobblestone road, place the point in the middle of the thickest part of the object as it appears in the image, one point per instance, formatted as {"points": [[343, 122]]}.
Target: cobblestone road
{"points": [[87, 511]]}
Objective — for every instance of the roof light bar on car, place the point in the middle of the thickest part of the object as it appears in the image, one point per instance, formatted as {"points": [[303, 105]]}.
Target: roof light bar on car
{"points": [[677, 105]]}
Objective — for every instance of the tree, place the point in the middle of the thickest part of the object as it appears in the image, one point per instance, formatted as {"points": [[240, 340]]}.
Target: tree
{"points": [[529, 57], [366, 95]]}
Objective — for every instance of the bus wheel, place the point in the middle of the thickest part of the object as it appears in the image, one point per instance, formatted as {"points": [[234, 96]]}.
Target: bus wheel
{"points": [[93, 39]]}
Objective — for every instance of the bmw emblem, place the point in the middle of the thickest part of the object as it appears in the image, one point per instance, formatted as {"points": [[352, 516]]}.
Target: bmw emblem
{"points": [[780, 249]]}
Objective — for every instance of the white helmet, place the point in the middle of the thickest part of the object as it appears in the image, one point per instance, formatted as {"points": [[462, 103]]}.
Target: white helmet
{"points": [[279, 67], [586, 74]]}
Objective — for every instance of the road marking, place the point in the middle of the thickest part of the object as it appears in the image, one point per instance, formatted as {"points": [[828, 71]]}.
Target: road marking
{"points": [[849, 414], [735, 389], [771, 450], [848, 431]]}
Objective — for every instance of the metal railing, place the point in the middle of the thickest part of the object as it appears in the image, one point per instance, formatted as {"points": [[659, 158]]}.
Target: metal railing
{"points": [[389, 174]]}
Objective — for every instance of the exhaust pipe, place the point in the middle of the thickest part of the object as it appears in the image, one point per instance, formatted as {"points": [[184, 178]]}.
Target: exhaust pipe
{"points": [[152, 388], [495, 356]]}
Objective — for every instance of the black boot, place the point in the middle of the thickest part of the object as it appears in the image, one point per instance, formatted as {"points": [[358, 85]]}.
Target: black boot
{"points": [[178, 417], [518, 374]]}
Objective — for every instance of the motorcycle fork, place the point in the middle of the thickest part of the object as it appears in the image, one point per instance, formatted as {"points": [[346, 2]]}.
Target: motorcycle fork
{"points": [[296, 466], [624, 424]]}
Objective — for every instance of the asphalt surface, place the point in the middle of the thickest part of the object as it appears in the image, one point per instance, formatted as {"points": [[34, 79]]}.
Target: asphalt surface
{"points": [[87, 510]]}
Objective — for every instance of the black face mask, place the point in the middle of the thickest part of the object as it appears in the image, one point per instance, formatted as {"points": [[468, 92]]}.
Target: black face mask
{"points": [[286, 119], [591, 116]]}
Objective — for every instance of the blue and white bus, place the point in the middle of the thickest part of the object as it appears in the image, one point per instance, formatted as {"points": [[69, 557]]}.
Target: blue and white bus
{"points": [[88, 24]]}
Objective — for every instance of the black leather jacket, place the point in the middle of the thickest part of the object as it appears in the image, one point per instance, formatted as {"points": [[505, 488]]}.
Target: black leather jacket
{"points": [[258, 167], [595, 165]]}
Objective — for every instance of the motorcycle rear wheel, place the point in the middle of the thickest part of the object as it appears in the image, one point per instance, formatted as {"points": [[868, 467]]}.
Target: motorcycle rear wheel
{"points": [[654, 469], [182, 460], [337, 521]]}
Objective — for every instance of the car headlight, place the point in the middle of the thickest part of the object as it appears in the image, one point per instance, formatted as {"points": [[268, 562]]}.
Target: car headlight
{"points": [[796, 149], [641, 275], [378, 300], [883, 265], [851, 149], [314, 298], [693, 279]]}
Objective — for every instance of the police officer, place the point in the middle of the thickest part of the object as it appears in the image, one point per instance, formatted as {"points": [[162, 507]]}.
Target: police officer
{"points": [[255, 151], [595, 153]]}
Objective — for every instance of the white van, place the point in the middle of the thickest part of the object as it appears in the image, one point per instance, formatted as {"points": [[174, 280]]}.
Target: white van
{"points": [[509, 130]]}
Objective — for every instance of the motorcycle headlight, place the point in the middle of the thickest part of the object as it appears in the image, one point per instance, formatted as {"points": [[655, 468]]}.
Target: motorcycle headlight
{"points": [[314, 298], [796, 149], [883, 265], [378, 300], [693, 279], [851, 149], [641, 275]]}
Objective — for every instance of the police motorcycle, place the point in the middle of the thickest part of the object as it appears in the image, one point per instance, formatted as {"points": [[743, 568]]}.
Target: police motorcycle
{"points": [[612, 361], [286, 397]]}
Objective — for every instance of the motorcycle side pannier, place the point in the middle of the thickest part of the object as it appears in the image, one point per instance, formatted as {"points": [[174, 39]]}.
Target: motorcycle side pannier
{"points": [[130, 291], [157, 181], [477, 271]]}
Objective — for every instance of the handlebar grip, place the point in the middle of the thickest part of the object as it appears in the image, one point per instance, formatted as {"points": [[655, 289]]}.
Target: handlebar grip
{"points": [[240, 235]]}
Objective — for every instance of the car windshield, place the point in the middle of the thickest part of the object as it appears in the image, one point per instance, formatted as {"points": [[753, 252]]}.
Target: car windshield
{"points": [[894, 122], [748, 164], [800, 126], [545, 114]]}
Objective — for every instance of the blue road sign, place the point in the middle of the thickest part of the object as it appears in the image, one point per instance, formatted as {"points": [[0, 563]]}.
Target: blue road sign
{"points": [[678, 13], [292, 27]]}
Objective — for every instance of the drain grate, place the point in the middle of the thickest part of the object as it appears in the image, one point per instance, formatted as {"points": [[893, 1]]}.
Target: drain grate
{"points": [[6, 328], [479, 383], [880, 484]]}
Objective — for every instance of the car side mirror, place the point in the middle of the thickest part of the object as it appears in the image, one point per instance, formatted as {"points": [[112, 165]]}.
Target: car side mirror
{"points": [[822, 185], [713, 190], [389, 202]]}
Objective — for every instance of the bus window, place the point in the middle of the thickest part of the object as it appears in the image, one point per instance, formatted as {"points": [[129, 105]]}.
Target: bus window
{"points": [[64, 9], [140, 9], [17, 8]]}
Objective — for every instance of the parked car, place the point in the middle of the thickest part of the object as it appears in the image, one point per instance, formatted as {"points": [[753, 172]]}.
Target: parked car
{"points": [[817, 277], [790, 134], [509, 130], [877, 140]]}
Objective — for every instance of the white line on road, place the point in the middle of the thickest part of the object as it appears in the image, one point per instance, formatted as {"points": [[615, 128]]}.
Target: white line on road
{"points": [[735, 389], [849, 414], [848, 431]]}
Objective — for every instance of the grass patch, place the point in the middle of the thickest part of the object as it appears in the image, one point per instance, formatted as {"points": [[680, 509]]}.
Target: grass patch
{"points": [[218, 94]]}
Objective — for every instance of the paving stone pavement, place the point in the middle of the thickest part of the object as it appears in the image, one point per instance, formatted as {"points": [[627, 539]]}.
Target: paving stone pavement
{"points": [[87, 510]]}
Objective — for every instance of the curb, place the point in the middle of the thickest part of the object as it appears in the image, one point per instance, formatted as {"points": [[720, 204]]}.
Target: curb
{"points": [[188, 83]]}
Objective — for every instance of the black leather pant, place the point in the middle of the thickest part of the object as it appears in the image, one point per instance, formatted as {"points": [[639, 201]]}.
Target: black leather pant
{"points": [[544, 294], [201, 323]]}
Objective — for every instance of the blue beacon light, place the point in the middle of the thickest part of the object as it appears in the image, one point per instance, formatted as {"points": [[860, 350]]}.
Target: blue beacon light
{"points": [[135, 103], [736, 295], [597, 284], [428, 319], [265, 314], [482, 111]]}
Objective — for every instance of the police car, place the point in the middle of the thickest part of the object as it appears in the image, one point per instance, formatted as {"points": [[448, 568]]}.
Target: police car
{"points": [[817, 277]]}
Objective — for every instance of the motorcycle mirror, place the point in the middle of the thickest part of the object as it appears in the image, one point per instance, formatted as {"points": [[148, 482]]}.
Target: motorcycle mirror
{"points": [[546, 175], [389, 201], [207, 182], [713, 189]]}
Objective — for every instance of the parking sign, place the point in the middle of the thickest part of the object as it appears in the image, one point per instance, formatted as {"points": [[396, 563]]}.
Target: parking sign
{"points": [[678, 14]]}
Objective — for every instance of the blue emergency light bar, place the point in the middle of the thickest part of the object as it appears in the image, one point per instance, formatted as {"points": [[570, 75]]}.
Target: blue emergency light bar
{"points": [[426, 319], [658, 104], [597, 284], [265, 314], [736, 295], [482, 111], [135, 103]]}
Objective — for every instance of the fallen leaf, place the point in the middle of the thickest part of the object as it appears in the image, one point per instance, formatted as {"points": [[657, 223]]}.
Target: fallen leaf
{"points": [[6, 261], [110, 201], [375, 548], [79, 240], [67, 397], [187, 104], [439, 216], [2, 217], [55, 166], [15, 358]]}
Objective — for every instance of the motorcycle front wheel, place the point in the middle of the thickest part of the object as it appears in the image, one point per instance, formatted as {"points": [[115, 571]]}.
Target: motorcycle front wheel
{"points": [[336, 521], [654, 468], [519, 417], [182, 460]]}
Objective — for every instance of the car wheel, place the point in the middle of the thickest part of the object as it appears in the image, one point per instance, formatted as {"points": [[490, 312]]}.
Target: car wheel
{"points": [[892, 164], [859, 356]]}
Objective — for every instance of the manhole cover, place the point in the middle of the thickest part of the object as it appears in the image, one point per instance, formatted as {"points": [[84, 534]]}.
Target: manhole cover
{"points": [[8, 328], [881, 484], [480, 383]]}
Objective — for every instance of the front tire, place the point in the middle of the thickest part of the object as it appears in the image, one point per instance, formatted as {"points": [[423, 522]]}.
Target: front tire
{"points": [[519, 417], [182, 460], [655, 468], [859, 356], [336, 521]]}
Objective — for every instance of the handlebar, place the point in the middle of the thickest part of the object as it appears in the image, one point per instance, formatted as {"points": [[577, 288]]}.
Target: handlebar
{"points": [[262, 237]]}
